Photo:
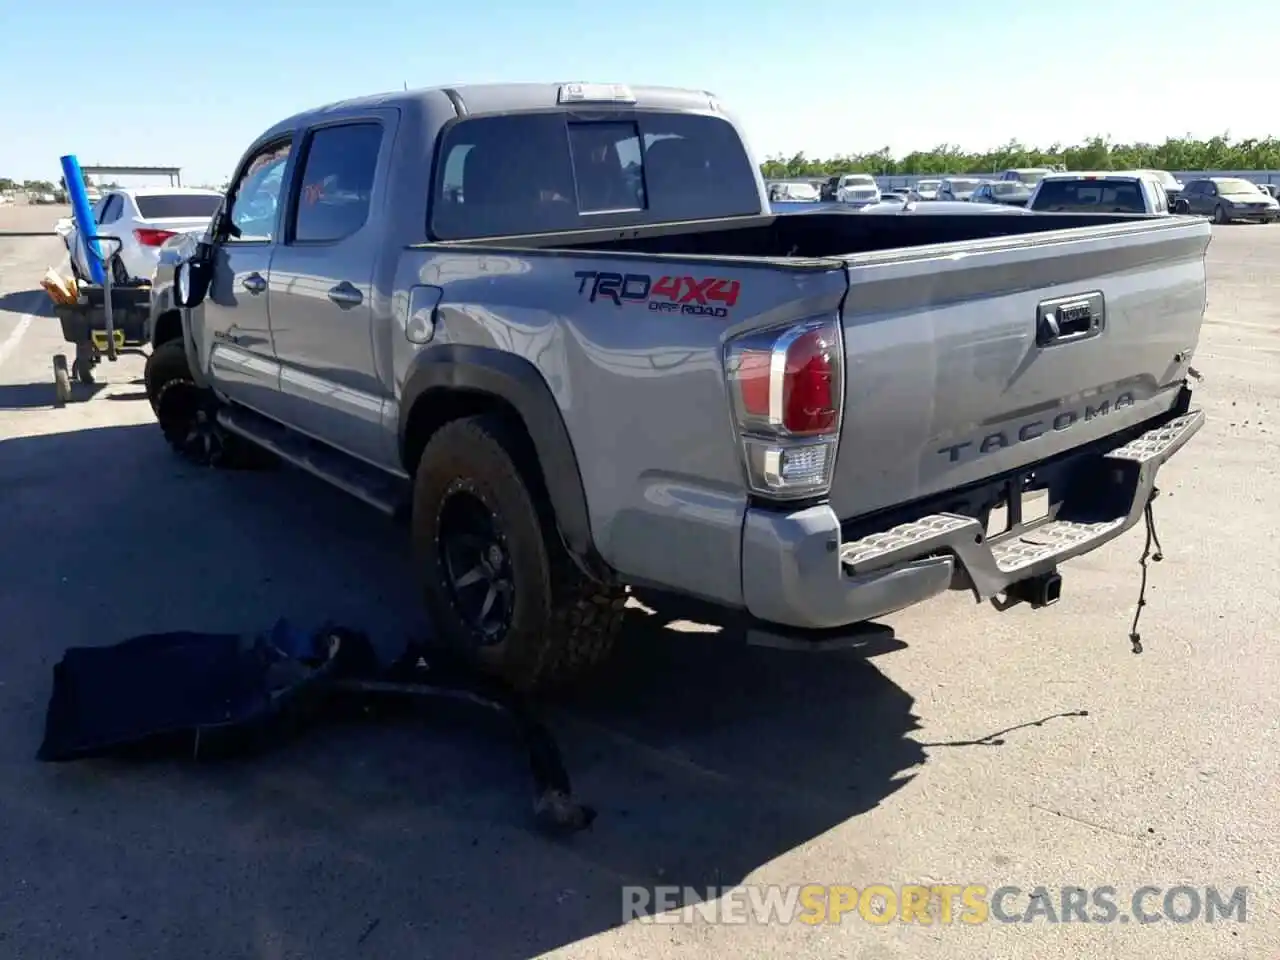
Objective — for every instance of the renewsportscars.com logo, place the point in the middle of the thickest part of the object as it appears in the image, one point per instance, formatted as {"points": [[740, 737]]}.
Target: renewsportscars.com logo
{"points": [[928, 904]]}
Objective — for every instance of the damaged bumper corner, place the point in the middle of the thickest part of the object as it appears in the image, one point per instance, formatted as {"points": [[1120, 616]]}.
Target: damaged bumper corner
{"points": [[797, 572]]}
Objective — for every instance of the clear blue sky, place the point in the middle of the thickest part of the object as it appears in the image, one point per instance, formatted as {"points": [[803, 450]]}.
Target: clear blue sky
{"points": [[193, 83]]}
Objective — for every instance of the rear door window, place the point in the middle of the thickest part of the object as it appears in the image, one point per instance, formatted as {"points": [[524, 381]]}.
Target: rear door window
{"points": [[337, 182], [543, 172], [111, 209]]}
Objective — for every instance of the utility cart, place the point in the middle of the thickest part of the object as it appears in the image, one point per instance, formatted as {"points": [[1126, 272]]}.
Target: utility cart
{"points": [[106, 320]]}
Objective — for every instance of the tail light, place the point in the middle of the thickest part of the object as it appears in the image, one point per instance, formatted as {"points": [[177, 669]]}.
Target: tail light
{"points": [[787, 390], [152, 238]]}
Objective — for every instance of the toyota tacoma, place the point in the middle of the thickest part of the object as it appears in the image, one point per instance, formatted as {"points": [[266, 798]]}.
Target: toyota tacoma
{"points": [[557, 327]]}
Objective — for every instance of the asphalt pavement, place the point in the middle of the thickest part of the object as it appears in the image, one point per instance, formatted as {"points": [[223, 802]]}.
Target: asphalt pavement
{"points": [[1026, 748]]}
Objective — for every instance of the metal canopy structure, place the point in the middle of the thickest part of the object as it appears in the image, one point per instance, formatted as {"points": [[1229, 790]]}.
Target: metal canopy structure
{"points": [[173, 173]]}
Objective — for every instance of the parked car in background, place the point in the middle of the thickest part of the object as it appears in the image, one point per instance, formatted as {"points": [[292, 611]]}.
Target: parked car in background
{"points": [[859, 189], [891, 200], [958, 188], [143, 219], [1011, 193], [1270, 189], [1228, 199], [926, 190], [1102, 192], [1171, 184], [1028, 175], [794, 192]]}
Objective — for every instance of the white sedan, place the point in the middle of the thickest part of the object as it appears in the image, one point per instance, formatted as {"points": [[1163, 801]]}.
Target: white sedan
{"points": [[143, 219]]}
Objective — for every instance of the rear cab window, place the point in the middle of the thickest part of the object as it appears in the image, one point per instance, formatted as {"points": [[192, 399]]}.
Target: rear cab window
{"points": [[172, 206], [1090, 196], [554, 171]]}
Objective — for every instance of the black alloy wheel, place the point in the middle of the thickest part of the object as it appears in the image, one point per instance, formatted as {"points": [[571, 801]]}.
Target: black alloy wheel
{"points": [[188, 418], [477, 571]]}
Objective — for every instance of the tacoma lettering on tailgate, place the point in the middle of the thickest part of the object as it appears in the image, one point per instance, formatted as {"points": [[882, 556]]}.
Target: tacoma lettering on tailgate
{"points": [[694, 296], [1063, 420]]}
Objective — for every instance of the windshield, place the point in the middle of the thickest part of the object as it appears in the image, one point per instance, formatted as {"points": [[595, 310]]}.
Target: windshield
{"points": [[1004, 189], [1030, 176], [1235, 185], [928, 184], [967, 186], [859, 181], [1166, 178]]}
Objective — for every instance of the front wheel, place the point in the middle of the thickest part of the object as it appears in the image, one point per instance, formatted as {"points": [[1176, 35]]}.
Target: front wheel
{"points": [[1220, 214], [499, 585], [188, 414]]}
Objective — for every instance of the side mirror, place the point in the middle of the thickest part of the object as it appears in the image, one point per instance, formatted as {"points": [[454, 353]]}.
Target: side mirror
{"points": [[190, 283]]}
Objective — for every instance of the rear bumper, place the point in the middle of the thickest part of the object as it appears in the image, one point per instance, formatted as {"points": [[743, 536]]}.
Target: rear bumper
{"points": [[798, 573]]}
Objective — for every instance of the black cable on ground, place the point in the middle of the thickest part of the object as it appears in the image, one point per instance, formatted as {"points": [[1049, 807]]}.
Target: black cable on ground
{"points": [[1153, 538]]}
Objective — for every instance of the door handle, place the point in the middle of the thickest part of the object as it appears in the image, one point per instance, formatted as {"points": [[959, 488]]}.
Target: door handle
{"points": [[254, 283], [346, 296]]}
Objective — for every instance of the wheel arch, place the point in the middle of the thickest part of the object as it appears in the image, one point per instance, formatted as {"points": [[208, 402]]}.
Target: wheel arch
{"points": [[168, 326], [450, 381]]}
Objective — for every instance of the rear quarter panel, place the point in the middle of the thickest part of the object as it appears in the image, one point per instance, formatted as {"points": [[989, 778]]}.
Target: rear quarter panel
{"points": [[638, 380]]}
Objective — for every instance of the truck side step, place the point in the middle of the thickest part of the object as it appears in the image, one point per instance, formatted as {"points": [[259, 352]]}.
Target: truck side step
{"points": [[375, 487]]}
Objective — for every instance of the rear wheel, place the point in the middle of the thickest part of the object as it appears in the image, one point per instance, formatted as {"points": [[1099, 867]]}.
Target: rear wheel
{"points": [[499, 584]]}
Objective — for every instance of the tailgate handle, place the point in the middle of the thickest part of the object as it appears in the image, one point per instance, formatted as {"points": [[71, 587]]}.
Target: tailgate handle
{"points": [[1068, 319]]}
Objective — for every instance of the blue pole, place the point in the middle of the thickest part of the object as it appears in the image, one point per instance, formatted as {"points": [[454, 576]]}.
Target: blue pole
{"points": [[84, 216]]}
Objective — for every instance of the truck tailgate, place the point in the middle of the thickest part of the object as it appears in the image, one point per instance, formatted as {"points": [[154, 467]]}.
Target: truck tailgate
{"points": [[968, 360]]}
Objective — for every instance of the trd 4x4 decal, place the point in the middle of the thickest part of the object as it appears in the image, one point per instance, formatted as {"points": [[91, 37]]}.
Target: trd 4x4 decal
{"points": [[694, 296]]}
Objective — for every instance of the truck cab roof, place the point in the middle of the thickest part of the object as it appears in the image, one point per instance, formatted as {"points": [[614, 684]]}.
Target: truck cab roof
{"points": [[480, 99]]}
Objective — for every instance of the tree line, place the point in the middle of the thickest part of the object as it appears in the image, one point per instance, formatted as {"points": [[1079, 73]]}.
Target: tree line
{"points": [[1097, 153]]}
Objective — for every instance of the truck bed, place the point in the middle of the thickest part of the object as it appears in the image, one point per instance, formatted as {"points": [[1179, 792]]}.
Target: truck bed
{"points": [[948, 380]]}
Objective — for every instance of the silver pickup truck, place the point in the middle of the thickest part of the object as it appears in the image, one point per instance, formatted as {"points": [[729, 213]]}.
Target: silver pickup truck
{"points": [[558, 326]]}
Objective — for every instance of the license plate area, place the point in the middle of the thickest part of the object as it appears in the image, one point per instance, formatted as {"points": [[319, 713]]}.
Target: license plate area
{"points": [[1022, 504]]}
